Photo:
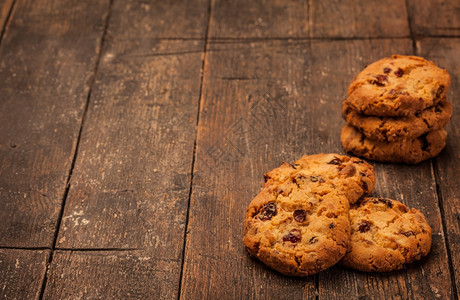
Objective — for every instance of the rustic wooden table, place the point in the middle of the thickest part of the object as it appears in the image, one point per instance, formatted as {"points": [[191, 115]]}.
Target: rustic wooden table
{"points": [[133, 135]]}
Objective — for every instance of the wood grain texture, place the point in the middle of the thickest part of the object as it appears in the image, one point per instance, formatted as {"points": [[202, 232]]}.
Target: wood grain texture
{"points": [[435, 17], [111, 275], [259, 19], [277, 101], [313, 18], [41, 104], [131, 180], [444, 52], [161, 19], [21, 273], [345, 19], [5, 7]]}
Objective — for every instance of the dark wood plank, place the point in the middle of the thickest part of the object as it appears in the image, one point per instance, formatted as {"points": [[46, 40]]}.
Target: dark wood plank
{"points": [[335, 18], [111, 275], [47, 59], [445, 53], [162, 19], [260, 19], [249, 94], [131, 181], [5, 7], [21, 273], [313, 18], [273, 101], [435, 17]]}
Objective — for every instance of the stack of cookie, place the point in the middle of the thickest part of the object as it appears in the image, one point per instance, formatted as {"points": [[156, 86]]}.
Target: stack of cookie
{"points": [[396, 111], [302, 223]]}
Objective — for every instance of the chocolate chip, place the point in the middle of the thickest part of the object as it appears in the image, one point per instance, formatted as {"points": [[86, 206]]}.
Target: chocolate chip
{"points": [[364, 186], [257, 246], [300, 215], [335, 161], [387, 202], [437, 109], [314, 178], [331, 226], [313, 240], [386, 70], [399, 72], [299, 178], [408, 233], [365, 226], [293, 236], [424, 141], [348, 171], [293, 165], [266, 178], [440, 91], [268, 211], [379, 80]]}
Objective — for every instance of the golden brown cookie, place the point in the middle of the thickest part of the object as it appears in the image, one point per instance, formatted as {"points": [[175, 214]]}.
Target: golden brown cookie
{"points": [[385, 234], [298, 224], [391, 129], [398, 86], [406, 151], [351, 175]]}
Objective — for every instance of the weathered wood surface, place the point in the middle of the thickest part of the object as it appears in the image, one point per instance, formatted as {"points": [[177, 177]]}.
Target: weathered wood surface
{"points": [[22, 273], [111, 275], [447, 165], [435, 17], [47, 60], [312, 18], [278, 101], [346, 19], [190, 104], [131, 181]]}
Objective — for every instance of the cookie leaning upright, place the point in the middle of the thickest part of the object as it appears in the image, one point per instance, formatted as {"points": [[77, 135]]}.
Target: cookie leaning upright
{"points": [[298, 224], [398, 86], [385, 235]]}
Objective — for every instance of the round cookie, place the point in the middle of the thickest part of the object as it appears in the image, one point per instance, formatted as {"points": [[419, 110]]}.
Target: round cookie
{"points": [[298, 231], [353, 176], [385, 234], [411, 151], [391, 129], [298, 224], [398, 86]]}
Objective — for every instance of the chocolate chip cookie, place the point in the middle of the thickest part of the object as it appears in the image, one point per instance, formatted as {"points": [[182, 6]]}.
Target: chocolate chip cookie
{"points": [[351, 175], [385, 234], [298, 224], [390, 129], [398, 86], [411, 151]]}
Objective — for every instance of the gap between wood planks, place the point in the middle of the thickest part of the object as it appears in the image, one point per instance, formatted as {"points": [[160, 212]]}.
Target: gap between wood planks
{"points": [[203, 63], [444, 228], [67, 187]]}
